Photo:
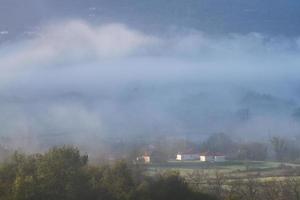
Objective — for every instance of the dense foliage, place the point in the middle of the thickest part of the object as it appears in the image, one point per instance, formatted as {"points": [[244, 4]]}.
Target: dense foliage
{"points": [[64, 174]]}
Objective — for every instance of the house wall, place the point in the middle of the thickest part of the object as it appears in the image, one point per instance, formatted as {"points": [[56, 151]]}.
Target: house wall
{"points": [[147, 159], [203, 158], [206, 158], [187, 157], [220, 158], [178, 157], [190, 156]]}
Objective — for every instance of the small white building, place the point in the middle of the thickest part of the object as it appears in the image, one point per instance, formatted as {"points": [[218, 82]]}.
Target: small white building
{"points": [[220, 158], [207, 157], [212, 157], [146, 158], [187, 156]]}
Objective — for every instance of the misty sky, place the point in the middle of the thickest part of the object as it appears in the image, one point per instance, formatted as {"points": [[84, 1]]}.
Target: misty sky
{"points": [[79, 71], [272, 17]]}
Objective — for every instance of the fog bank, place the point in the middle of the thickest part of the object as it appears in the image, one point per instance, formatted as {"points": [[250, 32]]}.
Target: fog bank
{"points": [[81, 83]]}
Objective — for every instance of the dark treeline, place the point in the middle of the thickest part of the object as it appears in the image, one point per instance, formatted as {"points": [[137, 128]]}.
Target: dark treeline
{"points": [[276, 148], [64, 174]]}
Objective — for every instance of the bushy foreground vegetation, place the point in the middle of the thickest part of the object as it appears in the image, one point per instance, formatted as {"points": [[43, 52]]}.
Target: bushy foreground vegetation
{"points": [[64, 174]]}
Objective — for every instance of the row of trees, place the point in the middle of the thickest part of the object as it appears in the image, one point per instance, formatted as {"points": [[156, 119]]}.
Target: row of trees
{"points": [[277, 148], [235, 150], [64, 174]]}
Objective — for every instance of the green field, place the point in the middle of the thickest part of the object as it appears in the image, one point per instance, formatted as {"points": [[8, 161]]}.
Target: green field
{"points": [[232, 169]]}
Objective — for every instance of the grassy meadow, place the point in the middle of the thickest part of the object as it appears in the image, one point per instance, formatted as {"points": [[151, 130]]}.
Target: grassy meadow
{"points": [[230, 169]]}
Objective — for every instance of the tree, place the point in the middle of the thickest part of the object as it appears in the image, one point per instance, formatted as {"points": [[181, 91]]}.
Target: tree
{"points": [[118, 181], [280, 147], [219, 142], [169, 186], [253, 151], [4, 153], [57, 175]]}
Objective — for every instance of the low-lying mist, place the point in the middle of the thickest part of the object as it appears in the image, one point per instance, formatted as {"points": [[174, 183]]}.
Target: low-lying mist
{"points": [[83, 84]]}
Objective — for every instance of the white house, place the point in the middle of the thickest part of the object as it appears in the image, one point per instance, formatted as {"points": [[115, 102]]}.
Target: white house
{"points": [[207, 157], [189, 155], [146, 158], [218, 157], [212, 157]]}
